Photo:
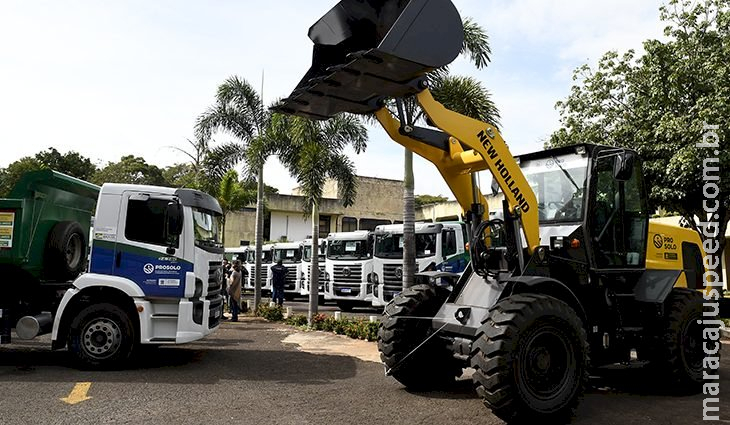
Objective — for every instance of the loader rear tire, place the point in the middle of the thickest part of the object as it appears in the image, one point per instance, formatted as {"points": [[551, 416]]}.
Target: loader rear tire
{"points": [[432, 366], [677, 357], [531, 359]]}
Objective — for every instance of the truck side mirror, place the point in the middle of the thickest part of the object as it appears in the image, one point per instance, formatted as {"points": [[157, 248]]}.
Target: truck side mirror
{"points": [[173, 219], [623, 167]]}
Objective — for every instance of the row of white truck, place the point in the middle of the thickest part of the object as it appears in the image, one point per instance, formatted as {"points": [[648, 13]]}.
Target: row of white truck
{"points": [[360, 268]]}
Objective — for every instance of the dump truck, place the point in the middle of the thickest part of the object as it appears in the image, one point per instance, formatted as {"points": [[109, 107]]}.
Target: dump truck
{"points": [[349, 262], [154, 275], [290, 254], [439, 246], [574, 265], [324, 277]]}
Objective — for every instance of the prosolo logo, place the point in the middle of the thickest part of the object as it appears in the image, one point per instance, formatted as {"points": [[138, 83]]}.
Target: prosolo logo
{"points": [[149, 268]]}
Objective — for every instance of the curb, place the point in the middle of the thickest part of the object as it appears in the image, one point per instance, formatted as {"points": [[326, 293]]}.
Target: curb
{"points": [[725, 332]]}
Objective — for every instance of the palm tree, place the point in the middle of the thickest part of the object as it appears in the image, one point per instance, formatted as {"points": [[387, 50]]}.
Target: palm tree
{"points": [[238, 111], [232, 197], [313, 153], [461, 94]]}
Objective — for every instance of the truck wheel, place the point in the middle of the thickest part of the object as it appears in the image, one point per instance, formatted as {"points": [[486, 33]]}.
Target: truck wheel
{"points": [[678, 354], [65, 255], [531, 359], [101, 337], [402, 329]]}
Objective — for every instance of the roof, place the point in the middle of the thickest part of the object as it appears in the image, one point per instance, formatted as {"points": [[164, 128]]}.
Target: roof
{"points": [[287, 245], [349, 236]]}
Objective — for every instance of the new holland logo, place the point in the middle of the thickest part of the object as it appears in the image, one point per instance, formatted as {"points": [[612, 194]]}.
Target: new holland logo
{"points": [[149, 268]]}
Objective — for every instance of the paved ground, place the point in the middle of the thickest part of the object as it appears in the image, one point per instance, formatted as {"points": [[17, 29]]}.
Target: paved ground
{"points": [[254, 372]]}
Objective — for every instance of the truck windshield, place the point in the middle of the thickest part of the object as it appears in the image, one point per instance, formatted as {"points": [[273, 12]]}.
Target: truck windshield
{"points": [[348, 250], [265, 256], [207, 233], [390, 245], [291, 255], [307, 254], [559, 185]]}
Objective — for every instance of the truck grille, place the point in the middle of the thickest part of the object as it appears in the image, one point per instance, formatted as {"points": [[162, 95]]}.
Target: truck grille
{"points": [[290, 280], [390, 281], [216, 311], [215, 282], [264, 275], [347, 279]]}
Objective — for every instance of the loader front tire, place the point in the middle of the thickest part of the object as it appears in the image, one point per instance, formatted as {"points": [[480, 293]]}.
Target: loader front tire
{"points": [[404, 326], [677, 357], [531, 359]]}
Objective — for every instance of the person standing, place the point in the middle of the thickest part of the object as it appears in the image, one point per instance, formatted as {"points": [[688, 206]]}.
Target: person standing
{"points": [[278, 279], [234, 290]]}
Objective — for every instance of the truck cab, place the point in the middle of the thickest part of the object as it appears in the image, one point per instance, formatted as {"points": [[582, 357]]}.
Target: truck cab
{"points": [[349, 262], [266, 257], [307, 253], [155, 274], [290, 254], [439, 247]]}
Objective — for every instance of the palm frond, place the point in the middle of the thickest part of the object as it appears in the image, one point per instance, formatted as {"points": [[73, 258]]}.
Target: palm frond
{"points": [[476, 43], [342, 170], [467, 96]]}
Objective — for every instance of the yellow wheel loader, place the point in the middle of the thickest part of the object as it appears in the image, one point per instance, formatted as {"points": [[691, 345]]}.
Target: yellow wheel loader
{"points": [[572, 276]]}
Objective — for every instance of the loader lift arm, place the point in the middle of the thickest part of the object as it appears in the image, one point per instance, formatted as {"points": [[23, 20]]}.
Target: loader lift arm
{"points": [[487, 150]]}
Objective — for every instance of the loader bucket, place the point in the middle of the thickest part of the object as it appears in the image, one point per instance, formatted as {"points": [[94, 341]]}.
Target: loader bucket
{"points": [[369, 50]]}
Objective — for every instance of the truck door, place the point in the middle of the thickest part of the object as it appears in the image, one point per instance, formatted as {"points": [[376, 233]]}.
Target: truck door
{"points": [[145, 252]]}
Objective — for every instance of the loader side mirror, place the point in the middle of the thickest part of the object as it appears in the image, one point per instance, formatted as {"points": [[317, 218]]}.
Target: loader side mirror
{"points": [[623, 167]]}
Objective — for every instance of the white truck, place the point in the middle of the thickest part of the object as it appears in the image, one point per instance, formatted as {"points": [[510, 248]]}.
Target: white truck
{"points": [[349, 262], [307, 269], [266, 256], [290, 254], [439, 246], [154, 276]]}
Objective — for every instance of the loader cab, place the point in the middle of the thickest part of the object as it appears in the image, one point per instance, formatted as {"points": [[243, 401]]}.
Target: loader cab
{"points": [[592, 204]]}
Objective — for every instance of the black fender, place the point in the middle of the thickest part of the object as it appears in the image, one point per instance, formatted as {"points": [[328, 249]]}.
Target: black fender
{"points": [[546, 286]]}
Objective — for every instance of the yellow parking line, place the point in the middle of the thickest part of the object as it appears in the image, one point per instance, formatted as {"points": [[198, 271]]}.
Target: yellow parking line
{"points": [[78, 393]]}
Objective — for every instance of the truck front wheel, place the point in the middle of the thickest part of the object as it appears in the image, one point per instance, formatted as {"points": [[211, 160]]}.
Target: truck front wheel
{"points": [[101, 337]]}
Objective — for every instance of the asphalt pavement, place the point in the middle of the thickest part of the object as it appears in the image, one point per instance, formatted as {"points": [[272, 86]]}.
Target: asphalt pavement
{"points": [[255, 372]]}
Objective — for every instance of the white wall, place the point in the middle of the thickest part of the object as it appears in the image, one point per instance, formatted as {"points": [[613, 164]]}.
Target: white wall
{"points": [[292, 225]]}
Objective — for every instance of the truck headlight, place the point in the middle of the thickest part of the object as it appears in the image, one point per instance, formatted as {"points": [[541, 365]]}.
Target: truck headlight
{"points": [[375, 278]]}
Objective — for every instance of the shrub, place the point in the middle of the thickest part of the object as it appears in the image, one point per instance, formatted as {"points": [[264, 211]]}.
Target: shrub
{"points": [[273, 314], [296, 320]]}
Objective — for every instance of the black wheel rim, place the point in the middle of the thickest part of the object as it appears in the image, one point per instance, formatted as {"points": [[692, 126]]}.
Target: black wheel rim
{"points": [[546, 364], [691, 340], [101, 338], [73, 251]]}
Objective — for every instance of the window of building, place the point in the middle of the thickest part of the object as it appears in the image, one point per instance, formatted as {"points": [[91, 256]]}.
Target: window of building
{"points": [[349, 224], [146, 221], [324, 226], [371, 223]]}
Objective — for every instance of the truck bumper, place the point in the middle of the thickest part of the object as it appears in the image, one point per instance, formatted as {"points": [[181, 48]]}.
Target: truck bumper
{"points": [[178, 323]]}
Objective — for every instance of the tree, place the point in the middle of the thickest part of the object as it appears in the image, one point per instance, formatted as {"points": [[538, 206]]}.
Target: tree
{"points": [[238, 111], [232, 196], [131, 170], [422, 200], [312, 151], [460, 94], [661, 105], [9, 176], [71, 163], [181, 175]]}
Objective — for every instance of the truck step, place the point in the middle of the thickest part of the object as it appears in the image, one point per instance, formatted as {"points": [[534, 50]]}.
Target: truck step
{"points": [[164, 316]]}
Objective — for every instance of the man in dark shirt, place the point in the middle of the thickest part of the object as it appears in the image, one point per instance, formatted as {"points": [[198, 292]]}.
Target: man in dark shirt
{"points": [[278, 278]]}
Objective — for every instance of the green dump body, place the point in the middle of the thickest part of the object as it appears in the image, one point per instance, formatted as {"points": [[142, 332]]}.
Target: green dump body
{"points": [[40, 200]]}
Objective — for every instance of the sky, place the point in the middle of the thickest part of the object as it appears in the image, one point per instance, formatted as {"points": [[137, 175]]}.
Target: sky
{"points": [[108, 79]]}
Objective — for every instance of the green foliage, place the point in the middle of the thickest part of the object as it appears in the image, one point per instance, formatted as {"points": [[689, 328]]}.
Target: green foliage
{"points": [[181, 175], [9, 176], [71, 163], [273, 314], [354, 328], [298, 320], [658, 104], [422, 200], [130, 170]]}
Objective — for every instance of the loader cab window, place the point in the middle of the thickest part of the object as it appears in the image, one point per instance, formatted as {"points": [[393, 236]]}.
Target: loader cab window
{"points": [[146, 221], [619, 216], [559, 184]]}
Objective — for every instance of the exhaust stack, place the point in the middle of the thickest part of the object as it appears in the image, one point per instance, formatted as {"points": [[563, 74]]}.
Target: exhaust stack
{"points": [[368, 50]]}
